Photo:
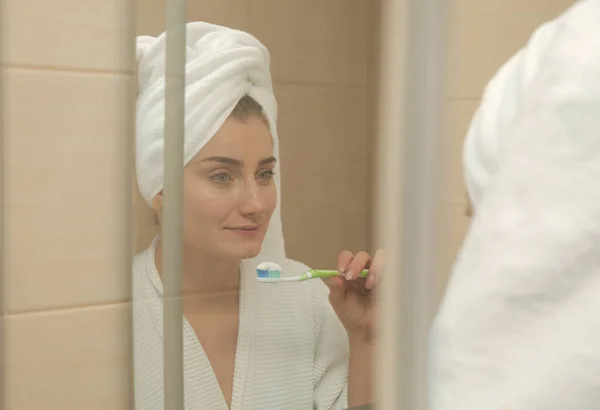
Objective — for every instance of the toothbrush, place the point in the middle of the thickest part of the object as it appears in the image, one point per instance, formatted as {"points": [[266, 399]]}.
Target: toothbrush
{"points": [[269, 272]]}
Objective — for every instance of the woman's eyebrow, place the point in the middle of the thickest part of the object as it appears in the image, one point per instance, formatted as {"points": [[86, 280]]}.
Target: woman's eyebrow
{"points": [[267, 161], [237, 162], [224, 160]]}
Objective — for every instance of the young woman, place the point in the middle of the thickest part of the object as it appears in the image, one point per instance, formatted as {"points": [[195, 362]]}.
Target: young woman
{"points": [[247, 345]]}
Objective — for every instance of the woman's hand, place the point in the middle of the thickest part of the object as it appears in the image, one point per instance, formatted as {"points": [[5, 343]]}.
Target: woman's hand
{"points": [[353, 297]]}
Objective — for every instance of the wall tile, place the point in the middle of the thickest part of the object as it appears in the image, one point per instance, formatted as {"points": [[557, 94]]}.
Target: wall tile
{"points": [[484, 34], [372, 115], [2, 226], [316, 124], [74, 34], [151, 14], [357, 214], [358, 176], [67, 188], [69, 360], [314, 41]]}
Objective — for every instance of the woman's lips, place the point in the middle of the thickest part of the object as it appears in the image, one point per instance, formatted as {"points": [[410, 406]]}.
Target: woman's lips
{"points": [[245, 230]]}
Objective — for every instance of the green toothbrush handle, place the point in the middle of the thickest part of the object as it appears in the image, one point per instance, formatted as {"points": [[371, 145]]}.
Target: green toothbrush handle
{"points": [[320, 273]]}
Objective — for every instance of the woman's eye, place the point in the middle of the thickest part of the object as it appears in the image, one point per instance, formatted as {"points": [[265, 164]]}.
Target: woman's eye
{"points": [[221, 178], [266, 175]]}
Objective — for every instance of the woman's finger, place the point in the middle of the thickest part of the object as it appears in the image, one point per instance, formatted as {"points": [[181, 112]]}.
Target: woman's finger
{"points": [[337, 294], [376, 269], [356, 287], [361, 261], [344, 259], [335, 282]]}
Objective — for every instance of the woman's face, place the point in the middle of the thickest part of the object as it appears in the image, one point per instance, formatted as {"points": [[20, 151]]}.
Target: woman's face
{"points": [[229, 191]]}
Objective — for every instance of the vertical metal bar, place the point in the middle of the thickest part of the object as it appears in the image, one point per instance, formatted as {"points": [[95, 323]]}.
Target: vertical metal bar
{"points": [[2, 207], [393, 34], [129, 194], [423, 124], [172, 207], [410, 108]]}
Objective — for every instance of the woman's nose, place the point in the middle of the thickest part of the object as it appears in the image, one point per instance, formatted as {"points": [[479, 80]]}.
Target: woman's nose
{"points": [[252, 201]]}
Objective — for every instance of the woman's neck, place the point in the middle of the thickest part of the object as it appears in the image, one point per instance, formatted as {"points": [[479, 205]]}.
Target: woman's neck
{"points": [[206, 278]]}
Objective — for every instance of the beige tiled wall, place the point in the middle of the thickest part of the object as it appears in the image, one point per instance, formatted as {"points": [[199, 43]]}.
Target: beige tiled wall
{"points": [[67, 111], [321, 53], [483, 35]]}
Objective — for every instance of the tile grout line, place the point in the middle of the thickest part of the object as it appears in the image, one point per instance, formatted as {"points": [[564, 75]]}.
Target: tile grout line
{"points": [[61, 309], [457, 98], [65, 70], [277, 82], [451, 202]]}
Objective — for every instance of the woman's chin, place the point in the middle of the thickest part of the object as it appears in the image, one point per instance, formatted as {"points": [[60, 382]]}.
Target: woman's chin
{"points": [[238, 246], [243, 251]]}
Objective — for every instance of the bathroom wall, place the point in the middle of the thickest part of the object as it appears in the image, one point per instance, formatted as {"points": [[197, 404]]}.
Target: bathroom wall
{"points": [[482, 36], [322, 59], [67, 118]]}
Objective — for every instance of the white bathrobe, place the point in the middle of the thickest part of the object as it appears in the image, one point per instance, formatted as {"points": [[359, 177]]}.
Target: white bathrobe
{"points": [[519, 328], [292, 351]]}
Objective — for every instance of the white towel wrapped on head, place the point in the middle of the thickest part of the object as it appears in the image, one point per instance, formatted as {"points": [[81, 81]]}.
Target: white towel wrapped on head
{"points": [[501, 103], [222, 65]]}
